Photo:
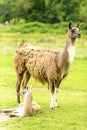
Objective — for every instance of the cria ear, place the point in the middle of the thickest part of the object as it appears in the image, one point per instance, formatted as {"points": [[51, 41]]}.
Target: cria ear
{"points": [[77, 24], [70, 25], [26, 87], [31, 87]]}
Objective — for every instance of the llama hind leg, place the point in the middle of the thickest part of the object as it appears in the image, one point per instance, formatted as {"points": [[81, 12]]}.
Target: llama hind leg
{"points": [[7, 110], [18, 112], [15, 114], [18, 84], [25, 80]]}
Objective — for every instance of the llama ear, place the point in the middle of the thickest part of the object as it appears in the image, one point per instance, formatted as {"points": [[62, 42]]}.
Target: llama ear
{"points": [[77, 24], [26, 87], [70, 25], [31, 87]]}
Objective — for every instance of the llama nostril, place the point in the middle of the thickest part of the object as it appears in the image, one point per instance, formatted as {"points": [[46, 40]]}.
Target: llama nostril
{"points": [[79, 35]]}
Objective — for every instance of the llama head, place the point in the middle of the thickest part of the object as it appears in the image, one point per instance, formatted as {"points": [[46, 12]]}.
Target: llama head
{"points": [[74, 31], [26, 90]]}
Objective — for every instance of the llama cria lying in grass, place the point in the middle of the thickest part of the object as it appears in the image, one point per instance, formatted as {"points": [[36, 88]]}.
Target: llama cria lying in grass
{"points": [[45, 65], [27, 108]]}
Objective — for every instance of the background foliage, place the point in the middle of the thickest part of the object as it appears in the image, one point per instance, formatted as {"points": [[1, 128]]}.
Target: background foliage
{"points": [[47, 11]]}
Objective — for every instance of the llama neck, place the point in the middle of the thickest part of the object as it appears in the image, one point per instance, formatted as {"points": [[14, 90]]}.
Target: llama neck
{"points": [[27, 107], [28, 98], [70, 48]]}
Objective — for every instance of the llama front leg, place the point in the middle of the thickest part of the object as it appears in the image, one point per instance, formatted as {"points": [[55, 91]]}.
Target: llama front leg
{"points": [[51, 85], [55, 97], [52, 101], [57, 83]]}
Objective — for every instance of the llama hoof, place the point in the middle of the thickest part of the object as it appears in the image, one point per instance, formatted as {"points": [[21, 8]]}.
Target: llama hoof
{"points": [[11, 115], [58, 106], [52, 108]]}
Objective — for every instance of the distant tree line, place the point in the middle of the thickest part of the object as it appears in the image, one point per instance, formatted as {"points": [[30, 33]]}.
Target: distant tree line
{"points": [[47, 11]]}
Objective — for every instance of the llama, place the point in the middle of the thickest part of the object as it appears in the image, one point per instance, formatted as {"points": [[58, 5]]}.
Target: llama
{"points": [[45, 65], [27, 108]]}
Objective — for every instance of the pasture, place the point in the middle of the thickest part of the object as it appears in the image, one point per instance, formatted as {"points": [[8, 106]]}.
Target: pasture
{"points": [[72, 95]]}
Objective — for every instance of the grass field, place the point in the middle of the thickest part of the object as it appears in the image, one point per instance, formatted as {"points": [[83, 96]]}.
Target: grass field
{"points": [[72, 96]]}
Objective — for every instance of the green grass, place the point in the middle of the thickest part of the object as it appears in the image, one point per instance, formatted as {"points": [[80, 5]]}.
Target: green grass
{"points": [[72, 95], [37, 27], [72, 99]]}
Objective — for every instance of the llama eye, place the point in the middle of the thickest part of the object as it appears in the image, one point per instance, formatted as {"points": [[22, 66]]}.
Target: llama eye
{"points": [[23, 93], [73, 31]]}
